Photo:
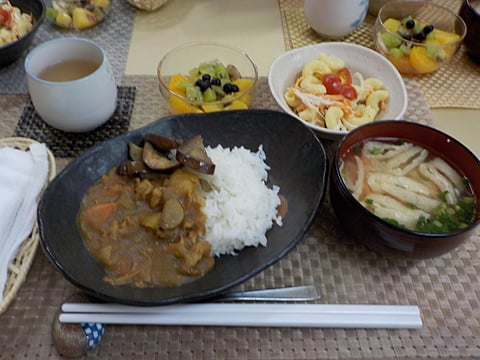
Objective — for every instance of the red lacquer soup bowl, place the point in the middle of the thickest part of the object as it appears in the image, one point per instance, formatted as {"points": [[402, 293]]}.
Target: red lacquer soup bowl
{"points": [[382, 234]]}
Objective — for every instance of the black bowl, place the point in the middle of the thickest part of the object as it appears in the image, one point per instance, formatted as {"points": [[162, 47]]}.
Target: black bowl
{"points": [[472, 18], [13, 50], [298, 165], [380, 235]]}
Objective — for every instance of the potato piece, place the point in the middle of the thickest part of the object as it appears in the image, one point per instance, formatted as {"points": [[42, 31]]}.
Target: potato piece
{"points": [[172, 214], [152, 221]]}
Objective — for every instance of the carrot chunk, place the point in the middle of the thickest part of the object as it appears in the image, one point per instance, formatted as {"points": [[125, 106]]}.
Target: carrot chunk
{"points": [[97, 215]]}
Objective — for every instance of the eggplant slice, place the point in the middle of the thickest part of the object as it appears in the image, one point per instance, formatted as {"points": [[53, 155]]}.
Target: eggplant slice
{"points": [[156, 160], [132, 168], [135, 152], [152, 157], [163, 143], [193, 154]]}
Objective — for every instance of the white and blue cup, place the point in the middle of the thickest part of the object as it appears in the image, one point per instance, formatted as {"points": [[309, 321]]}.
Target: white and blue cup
{"points": [[335, 19]]}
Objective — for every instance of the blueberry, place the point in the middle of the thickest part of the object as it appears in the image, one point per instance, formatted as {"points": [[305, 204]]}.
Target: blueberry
{"points": [[229, 88], [427, 29], [420, 36], [203, 85], [206, 77], [215, 81], [410, 24]]}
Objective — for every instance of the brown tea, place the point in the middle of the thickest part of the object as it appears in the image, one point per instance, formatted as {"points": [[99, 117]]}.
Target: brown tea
{"points": [[69, 70]]}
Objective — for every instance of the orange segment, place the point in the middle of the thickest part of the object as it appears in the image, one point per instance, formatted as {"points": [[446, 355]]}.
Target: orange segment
{"points": [[212, 107], [445, 37], [246, 98], [175, 81], [180, 106], [243, 84], [402, 63], [422, 62], [177, 105], [237, 105]]}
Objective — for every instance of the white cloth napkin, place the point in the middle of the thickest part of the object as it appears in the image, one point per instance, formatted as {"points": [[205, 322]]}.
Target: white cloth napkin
{"points": [[22, 176]]}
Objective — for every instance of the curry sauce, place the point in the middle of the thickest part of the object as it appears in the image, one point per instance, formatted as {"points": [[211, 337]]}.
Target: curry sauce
{"points": [[147, 232]]}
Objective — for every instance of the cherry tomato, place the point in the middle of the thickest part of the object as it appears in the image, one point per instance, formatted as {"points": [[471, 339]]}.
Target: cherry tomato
{"points": [[332, 83], [349, 92], [345, 75], [340, 83], [5, 17]]}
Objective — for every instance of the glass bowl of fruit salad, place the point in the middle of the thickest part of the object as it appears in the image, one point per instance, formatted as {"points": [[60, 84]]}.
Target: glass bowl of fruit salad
{"points": [[207, 77], [418, 37], [77, 14]]}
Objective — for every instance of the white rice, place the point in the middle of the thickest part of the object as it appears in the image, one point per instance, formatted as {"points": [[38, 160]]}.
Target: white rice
{"points": [[241, 208]]}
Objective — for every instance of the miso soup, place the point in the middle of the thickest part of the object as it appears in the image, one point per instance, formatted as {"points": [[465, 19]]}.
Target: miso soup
{"points": [[409, 186]]}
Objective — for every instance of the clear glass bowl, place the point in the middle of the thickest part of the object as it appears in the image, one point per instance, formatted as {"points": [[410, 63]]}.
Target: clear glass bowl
{"points": [[418, 50], [77, 14], [174, 74]]}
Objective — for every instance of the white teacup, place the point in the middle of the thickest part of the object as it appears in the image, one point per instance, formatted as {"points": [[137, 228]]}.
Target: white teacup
{"points": [[71, 84], [334, 19]]}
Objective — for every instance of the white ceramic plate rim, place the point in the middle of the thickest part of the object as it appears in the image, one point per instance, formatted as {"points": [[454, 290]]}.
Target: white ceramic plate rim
{"points": [[361, 55]]}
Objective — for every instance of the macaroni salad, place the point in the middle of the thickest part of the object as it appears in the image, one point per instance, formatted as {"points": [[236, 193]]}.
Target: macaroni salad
{"points": [[326, 94]]}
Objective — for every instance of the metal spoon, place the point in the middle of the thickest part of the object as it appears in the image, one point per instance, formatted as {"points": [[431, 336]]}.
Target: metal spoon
{"points": [[294, 293]]}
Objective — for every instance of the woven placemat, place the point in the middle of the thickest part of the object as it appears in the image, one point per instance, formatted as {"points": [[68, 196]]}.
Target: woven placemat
{"points": [[65, 144], [113, 35], [151, 106], [447, 290], [439, 89]]}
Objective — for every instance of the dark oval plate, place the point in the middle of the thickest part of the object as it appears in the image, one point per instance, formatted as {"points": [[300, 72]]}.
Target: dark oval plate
{"points": [[298, 164], [11, 51]]}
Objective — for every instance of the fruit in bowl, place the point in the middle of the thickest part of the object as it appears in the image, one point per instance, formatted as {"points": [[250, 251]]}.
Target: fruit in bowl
{"points": [[19, 22], [211, 86], [418, 37], [77, 14], [206, 77]]}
